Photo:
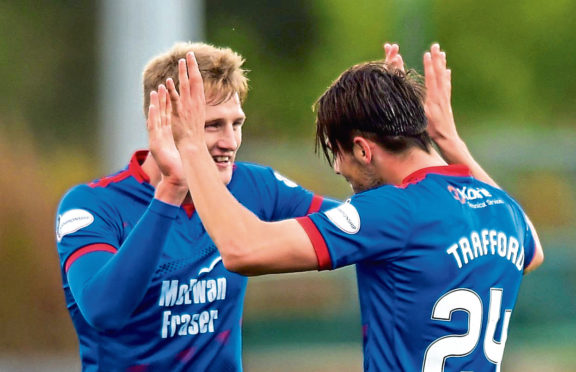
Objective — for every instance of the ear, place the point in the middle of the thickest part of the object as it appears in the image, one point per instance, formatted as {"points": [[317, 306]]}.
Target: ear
{"points": [[363, 149]]}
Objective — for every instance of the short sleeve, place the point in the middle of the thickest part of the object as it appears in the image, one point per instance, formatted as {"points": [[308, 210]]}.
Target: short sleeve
{"points": [[530, 241], [373, 225], [292, 200], [84, 219], [278, 198]]}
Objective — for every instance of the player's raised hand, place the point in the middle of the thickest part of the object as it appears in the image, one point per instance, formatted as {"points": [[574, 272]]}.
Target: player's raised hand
{"points": [[173, 185], [393, 57], [188, 114], [438, 105]]}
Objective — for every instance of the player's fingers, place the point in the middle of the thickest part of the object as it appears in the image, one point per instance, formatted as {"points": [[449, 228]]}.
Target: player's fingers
{"points": [[174, 96], [162, 93], [393, 52], [196, 84], [429, 73], [449, 83], [400, 63], [442, 72], [183, 77], [439, 68], [168, 108], [152, 111]]}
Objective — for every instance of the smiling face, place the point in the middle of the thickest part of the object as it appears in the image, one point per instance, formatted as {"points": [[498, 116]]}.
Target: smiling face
{"points": [[223, 133]]}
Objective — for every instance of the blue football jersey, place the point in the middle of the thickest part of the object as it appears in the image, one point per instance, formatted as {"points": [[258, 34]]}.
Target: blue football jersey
{"points": [[439, 261], [190, 316]]}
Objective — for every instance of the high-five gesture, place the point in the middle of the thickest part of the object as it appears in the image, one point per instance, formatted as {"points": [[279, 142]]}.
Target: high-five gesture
{"points": [[172, 188], [393, 57], [438, 107], [438, 94], [189, 104]]}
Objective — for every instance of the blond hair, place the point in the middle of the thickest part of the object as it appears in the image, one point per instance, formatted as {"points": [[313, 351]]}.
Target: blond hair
{"points": [[221, 70]]}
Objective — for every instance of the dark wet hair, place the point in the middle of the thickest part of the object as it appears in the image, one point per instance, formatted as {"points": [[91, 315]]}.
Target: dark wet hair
{"points": [[375, 101]]}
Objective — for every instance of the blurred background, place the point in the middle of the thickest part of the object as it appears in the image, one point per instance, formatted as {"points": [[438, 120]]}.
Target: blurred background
{"points": [[67, 117]]}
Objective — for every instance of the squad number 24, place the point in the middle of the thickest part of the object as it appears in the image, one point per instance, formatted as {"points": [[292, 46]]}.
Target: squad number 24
{"points": [[461, 345]]}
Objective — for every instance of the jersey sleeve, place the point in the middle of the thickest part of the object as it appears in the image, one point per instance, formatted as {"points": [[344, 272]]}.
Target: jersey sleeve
{"points": [[370, 226], [530, 241], [282, 198], [84, 219], [292, 200], [108, 279]]}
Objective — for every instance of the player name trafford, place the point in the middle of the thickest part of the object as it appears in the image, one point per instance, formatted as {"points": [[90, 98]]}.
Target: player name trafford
{"points": [[487, 242]]}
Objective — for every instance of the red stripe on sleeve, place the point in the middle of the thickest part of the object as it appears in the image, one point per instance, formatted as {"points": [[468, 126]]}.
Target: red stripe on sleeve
{"points": [[322, 253], [315, 204], [88, 249]]}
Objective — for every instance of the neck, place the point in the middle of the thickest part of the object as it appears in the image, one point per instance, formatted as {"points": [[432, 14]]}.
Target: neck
{"points": [[151, 169], [397, 167]]}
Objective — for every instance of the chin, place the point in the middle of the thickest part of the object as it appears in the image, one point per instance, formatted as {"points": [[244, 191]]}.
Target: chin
{"points": [[226, 176]]}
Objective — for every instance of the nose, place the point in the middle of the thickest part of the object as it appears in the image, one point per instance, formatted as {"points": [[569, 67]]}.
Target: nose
{"points": [[228, 139]]}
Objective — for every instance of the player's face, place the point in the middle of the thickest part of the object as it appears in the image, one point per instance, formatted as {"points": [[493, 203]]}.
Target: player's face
{"points": [[223, 132], [359, 176]]}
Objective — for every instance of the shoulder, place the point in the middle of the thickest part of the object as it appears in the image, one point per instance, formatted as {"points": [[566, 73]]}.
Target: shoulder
{"points": [[242, 168], [79, 194], [260, 173], [378, 203], [387, 194], [94, 200]]}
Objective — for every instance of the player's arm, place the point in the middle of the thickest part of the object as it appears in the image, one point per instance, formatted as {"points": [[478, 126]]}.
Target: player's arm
{"points": [[109, 283], [438, 107], [290, 200], [442, 130], [538, 257], [247, 244], [244, 241]]}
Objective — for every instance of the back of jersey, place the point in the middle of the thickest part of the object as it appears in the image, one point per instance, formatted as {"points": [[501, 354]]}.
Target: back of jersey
{"points": [[439, 262], [451, 289]]}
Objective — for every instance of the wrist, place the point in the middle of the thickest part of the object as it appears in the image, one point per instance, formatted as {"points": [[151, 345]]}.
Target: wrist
{"points": [[171, 193], [453, 149]]}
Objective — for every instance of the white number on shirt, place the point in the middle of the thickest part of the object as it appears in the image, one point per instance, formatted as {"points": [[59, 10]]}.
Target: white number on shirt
{"points": [[462, 345]]}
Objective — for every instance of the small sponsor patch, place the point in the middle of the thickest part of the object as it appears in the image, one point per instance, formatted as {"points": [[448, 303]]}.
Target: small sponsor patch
{"points": [[345, 217], [288, 182], [72, 221]]}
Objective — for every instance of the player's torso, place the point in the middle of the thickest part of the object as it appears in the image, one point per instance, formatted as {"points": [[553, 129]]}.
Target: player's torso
{"points": [[445, 301], [190, 315]]}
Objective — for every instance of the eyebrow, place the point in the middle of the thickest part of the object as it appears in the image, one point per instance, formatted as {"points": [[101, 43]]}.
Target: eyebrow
{"points": [[221, 121]]}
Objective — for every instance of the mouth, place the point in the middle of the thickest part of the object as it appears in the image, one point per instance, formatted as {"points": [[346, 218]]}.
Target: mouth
{"points": [[222, 161]]}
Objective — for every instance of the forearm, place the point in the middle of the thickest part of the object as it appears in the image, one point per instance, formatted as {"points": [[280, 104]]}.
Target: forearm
{"points": [[455, 151], [231, 226], [247, 244], [109, 294]]}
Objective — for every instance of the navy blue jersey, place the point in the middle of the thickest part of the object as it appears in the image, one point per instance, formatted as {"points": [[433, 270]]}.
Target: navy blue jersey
{"points": [[439, 262], [189, 317]]}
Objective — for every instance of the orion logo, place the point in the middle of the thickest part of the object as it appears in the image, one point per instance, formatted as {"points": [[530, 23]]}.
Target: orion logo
{"points": [[465, 194]]}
